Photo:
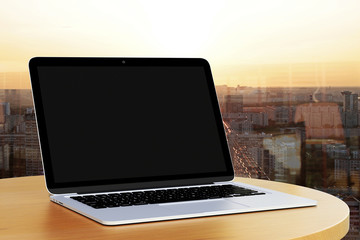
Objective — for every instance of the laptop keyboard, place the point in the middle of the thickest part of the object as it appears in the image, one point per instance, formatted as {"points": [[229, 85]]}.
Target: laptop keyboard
{"points": [[125, 199]]}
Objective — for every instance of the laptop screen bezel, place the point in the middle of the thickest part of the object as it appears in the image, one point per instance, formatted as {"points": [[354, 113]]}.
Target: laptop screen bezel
{"points": [[115, 185]]}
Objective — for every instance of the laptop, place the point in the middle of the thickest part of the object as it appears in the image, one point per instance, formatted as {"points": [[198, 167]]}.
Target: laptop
{"points": [[132, 140]]}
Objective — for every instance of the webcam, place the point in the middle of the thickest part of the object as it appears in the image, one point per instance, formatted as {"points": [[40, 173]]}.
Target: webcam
{"points": [[123, 62]]}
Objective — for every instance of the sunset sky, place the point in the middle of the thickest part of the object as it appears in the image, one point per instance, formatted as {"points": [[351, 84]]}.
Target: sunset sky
{"points": [[226, 33]]}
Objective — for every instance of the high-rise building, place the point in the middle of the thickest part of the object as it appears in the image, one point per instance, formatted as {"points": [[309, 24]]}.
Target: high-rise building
{"points": [[4, 111], [268, 164], [12, 162], [5, 157], [32, 150], [15, 97], [350, 109]]}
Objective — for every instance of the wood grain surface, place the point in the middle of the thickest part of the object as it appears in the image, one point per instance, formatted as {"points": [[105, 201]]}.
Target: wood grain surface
{"points": [[27, 213]]}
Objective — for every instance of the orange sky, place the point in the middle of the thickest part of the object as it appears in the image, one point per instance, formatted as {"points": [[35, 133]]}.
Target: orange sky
{"points": [[227, 33]]}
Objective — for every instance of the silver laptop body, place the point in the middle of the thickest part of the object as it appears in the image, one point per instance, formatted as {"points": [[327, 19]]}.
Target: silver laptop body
{"points": [[177, 210], [120, 126]]}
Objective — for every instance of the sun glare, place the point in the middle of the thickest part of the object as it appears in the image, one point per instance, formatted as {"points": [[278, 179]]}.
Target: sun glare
{"points": [[227, 33], [181, 29]]}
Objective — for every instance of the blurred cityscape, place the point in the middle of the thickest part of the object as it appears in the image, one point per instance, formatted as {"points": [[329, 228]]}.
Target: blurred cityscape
{"points": [[308, 136], [19, 147]]}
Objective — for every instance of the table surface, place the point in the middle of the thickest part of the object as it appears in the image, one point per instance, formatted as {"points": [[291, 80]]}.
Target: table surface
{"points": [[27, 213]]}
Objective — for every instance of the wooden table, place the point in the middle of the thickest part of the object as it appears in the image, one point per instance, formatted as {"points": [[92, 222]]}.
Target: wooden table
{"points": [[27, 213]]}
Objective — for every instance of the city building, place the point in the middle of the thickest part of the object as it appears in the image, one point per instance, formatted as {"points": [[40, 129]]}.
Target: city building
{"points": [[13, 124], [286, 150], [270, 110], [32, 150], [5, 157], [245, 121], [233, 104], [4, 111], [12, 162], [350, 109], [347, 173], [322, 120], [246, 127], [284, 114], [354, 206], [265, 160]]}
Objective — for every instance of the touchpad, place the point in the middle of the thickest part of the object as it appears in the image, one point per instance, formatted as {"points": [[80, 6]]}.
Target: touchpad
{"points": [[203, 206]]}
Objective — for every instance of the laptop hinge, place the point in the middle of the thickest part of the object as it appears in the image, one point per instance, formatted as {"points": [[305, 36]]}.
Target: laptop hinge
{"points": [[144, 189]]}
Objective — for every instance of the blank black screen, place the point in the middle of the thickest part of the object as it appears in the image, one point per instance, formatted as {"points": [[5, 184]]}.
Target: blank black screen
{"points": [[129, 122]]}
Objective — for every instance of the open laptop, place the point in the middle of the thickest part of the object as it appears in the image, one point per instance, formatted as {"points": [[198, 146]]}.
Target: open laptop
{"points": [[130, 140]]}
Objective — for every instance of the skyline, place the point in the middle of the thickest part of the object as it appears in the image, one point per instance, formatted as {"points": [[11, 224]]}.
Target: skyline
{"points": [[324, 74]]}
